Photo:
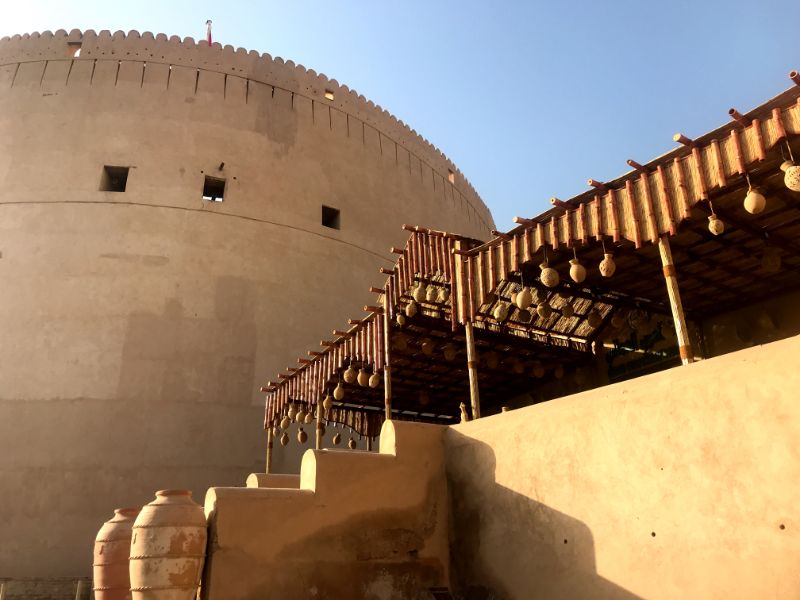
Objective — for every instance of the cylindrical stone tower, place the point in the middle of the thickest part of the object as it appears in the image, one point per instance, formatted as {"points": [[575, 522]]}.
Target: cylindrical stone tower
{"points": [[175, 220]]}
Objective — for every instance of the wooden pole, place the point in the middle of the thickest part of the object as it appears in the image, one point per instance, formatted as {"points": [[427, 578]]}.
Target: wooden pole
{"points": [[369, 444], [472, 366], [318, 444], [387, 358], [670, 275], [269, 449]]}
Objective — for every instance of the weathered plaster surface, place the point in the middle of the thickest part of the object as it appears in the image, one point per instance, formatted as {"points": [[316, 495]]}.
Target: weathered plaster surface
{"points": [[369, 526], [682, 484], [136, 326]]}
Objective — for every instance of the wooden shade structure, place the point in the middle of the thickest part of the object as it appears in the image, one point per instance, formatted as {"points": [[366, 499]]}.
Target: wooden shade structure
{"points": [[460, 347]]}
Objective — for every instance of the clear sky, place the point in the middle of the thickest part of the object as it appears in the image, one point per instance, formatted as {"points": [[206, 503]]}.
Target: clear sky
{"points": [[529, 99]]}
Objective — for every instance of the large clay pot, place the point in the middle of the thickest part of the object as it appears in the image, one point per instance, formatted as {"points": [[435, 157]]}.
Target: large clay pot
{"points": [[112, 547], [168, 548]]}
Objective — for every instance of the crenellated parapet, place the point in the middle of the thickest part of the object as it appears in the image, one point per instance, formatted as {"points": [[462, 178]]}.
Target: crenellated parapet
{"points": [[230, 72]]}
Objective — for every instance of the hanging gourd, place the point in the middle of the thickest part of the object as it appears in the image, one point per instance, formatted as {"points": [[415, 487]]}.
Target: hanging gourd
{"points": [[715, 224], [338, 392], [419, 292], [411, 309], [431, 294], [327, 403], [302, 436], [291, 412], [300, 416], [791, 175], [771, 260], [285, 422], [449, 352], [284, 438], [548, 276], [544, 310], [351, 443], [607, 265], [754, 201], [309, 417], [444, 295], [374, 380], [577, 271], [524, 298], [538, 370], [363, 378], [400, 319], [500, 312], [336, 439], [567, 310], [594, 319], [276, 431], [428, 347], [349, 374]]}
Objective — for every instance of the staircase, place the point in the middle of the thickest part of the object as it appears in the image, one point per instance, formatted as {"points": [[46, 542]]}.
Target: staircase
{"points": [[356, 525]]}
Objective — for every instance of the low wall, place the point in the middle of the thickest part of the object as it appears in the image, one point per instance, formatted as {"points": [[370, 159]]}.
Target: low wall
{"points": [[682, 484]]}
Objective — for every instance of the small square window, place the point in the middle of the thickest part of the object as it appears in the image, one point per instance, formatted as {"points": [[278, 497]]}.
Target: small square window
{"points": [[114, 179], [330, 217], [214, 189], [451, 177]]}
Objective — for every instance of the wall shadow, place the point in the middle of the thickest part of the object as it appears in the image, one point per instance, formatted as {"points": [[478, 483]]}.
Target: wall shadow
{"points": [[505, 545]]}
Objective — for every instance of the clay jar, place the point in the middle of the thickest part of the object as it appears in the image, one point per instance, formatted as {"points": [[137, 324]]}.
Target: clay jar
{"points": [[577, 271], [607, 265], [112, 547], [791, 175], [168, 548]]}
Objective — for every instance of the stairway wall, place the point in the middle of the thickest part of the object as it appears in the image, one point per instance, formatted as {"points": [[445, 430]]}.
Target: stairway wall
{"points": [[361, 525]]}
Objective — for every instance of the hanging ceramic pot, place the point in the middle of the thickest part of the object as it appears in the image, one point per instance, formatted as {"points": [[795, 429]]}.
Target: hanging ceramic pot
{"points": [[400, 319], [548, 276], [112, 549], [558, 372], [567, 310], [336, 439], [300, 416], [544, 310], [321, 428], [444, 295], [538, 370], [715, 224], [374, 380], [168, 547], [363, 378], [351, 444], [411, 309], [517, 367], [284, 438], [607, 265], [302, 436], [754, 202], [791, 175], [449, 352], [428, 347], [291, 412], [577, 271], [618, 319], [309, 417], [771, 260], [431, 294], [349, 374], [419, 292], [500, 312], [524, 298], [594, 319], [327, 403], [285, 422], [338, 392], [276, 431]]}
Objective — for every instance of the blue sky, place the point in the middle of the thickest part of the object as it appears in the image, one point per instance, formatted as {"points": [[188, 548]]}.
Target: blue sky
{"points": [[529, 99]]}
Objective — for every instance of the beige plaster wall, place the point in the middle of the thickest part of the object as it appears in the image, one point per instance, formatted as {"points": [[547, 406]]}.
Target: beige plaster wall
{"points": [[137, 327], [682, 484], [360, 525]]}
